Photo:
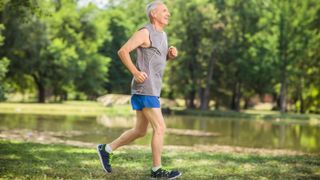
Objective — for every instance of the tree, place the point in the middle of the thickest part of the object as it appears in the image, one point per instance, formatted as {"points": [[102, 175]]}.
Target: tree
{"points": [[4, 62], [120, 28], [58, 51], [191, 32], [290, 25]]}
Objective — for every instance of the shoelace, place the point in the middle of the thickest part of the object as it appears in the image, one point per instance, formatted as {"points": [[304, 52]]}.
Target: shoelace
{"points": [[165, 171]]}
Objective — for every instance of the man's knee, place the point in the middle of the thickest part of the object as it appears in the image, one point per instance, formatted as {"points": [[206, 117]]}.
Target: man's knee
{"points": [[159, 129]]}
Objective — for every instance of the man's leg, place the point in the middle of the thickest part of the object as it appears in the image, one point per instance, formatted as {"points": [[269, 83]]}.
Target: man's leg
{"points": [[156, 120], [128, 136], [105, 151], [154, 116]]}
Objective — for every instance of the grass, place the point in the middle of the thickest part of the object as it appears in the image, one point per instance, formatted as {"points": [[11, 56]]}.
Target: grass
{"points": [[81, 108], [25, 160], [249, 114]]}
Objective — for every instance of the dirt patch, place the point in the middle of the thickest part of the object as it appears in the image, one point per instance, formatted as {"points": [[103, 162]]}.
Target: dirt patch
{"points": [[47, 137]]}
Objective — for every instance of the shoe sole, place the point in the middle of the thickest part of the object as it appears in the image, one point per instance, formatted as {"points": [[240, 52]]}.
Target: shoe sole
{"points": [[169, 178], [175, 177], [101, 160]]}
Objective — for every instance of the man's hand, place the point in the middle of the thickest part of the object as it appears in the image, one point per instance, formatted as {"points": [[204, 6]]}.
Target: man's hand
{"points": [[140, 77], [172, 52]]}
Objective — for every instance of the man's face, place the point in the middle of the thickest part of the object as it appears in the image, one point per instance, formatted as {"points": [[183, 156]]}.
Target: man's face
{"points": [[162, 14]]}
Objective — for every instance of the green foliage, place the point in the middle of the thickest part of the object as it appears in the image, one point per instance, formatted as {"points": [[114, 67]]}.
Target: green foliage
{"points": [[59, 51], [229, 51], [4, 63], [77, 37], [194, 30], [120, 28], [291, 38]]}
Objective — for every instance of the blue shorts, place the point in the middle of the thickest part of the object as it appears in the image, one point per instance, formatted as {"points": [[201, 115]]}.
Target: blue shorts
{"points": [[139, 102]]}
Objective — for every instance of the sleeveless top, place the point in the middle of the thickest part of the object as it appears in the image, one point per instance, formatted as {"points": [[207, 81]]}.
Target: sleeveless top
{"points": [[152, 61]]}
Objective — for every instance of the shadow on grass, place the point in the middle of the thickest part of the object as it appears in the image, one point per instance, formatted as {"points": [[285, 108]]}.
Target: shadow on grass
{"points": [[30, 160], [244, 166]]}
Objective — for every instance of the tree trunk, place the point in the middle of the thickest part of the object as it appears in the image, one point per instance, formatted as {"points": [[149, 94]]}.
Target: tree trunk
{"points": [[191, 98], [283, 61], [217, 104], [247, 103], [40, 88], [192, 94], [235, 104], [302, 110], [201, 96], [205, 99], [170, 95], [283, 103], [64, 96]]}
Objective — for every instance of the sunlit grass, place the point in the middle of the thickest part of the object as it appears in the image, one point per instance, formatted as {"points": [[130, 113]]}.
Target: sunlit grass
{"points": [[82, 108], [38, 161], [249, 114]]}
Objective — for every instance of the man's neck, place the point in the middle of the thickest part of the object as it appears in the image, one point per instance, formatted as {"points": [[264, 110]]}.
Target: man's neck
{"points": [[158, 26]]}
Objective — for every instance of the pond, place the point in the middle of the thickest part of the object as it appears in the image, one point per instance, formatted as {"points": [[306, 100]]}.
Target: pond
{"points": [[182, 130]]}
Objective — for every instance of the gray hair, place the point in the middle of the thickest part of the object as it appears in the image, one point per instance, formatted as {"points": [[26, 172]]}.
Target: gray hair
{"points": [[152, 6]]}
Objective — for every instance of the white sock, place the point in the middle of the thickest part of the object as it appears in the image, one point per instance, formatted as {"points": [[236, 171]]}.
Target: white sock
{"points": [[154, 169], [108, 148]]}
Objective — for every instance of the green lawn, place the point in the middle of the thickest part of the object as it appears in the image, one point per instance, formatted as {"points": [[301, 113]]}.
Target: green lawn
{"points": [[249, 114], [81, 108], [37, 161]]}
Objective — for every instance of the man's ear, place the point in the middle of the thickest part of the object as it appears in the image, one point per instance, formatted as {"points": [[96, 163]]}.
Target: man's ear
{"points": [[153, 13]]}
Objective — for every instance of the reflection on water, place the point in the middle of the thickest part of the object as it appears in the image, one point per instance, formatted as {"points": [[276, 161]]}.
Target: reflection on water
{"points": [[182, 130]]}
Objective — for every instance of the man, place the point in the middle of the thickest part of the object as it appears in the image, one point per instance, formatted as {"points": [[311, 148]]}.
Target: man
{"points": [[152, 54]]}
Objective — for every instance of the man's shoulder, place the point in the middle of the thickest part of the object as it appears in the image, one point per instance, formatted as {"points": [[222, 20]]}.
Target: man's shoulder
{"points": [[144, 30]]}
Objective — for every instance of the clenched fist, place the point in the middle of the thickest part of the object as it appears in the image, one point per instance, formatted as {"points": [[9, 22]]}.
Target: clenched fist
{"points": [[140, 77], [172, 52]]}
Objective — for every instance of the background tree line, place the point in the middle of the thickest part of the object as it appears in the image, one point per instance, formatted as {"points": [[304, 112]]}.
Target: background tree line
{"points": [[230, 50]]}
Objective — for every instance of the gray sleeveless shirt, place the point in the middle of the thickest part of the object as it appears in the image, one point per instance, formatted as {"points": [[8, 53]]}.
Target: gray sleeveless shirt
{"points": [[152, 61]]}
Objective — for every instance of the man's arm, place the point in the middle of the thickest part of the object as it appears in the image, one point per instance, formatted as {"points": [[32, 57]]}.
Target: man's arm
{"points": [[139, 38]]}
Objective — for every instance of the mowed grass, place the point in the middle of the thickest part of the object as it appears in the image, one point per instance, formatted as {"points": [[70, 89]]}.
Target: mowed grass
{"points": [[81, 108], [23, 160], [248, 114]]}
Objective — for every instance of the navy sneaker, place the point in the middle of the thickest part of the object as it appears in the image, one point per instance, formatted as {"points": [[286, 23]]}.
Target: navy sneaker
{"points": [[105, 158], [163, 173]]}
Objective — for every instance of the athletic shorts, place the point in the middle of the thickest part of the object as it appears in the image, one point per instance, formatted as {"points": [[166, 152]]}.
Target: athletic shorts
{"points": [[139, 102]]}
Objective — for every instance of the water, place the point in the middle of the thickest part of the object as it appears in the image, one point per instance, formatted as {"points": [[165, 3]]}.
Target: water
{"points": [[182, 130]]}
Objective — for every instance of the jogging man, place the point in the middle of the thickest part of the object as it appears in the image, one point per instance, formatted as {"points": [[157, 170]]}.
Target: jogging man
{"points": [[152, 54]]}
